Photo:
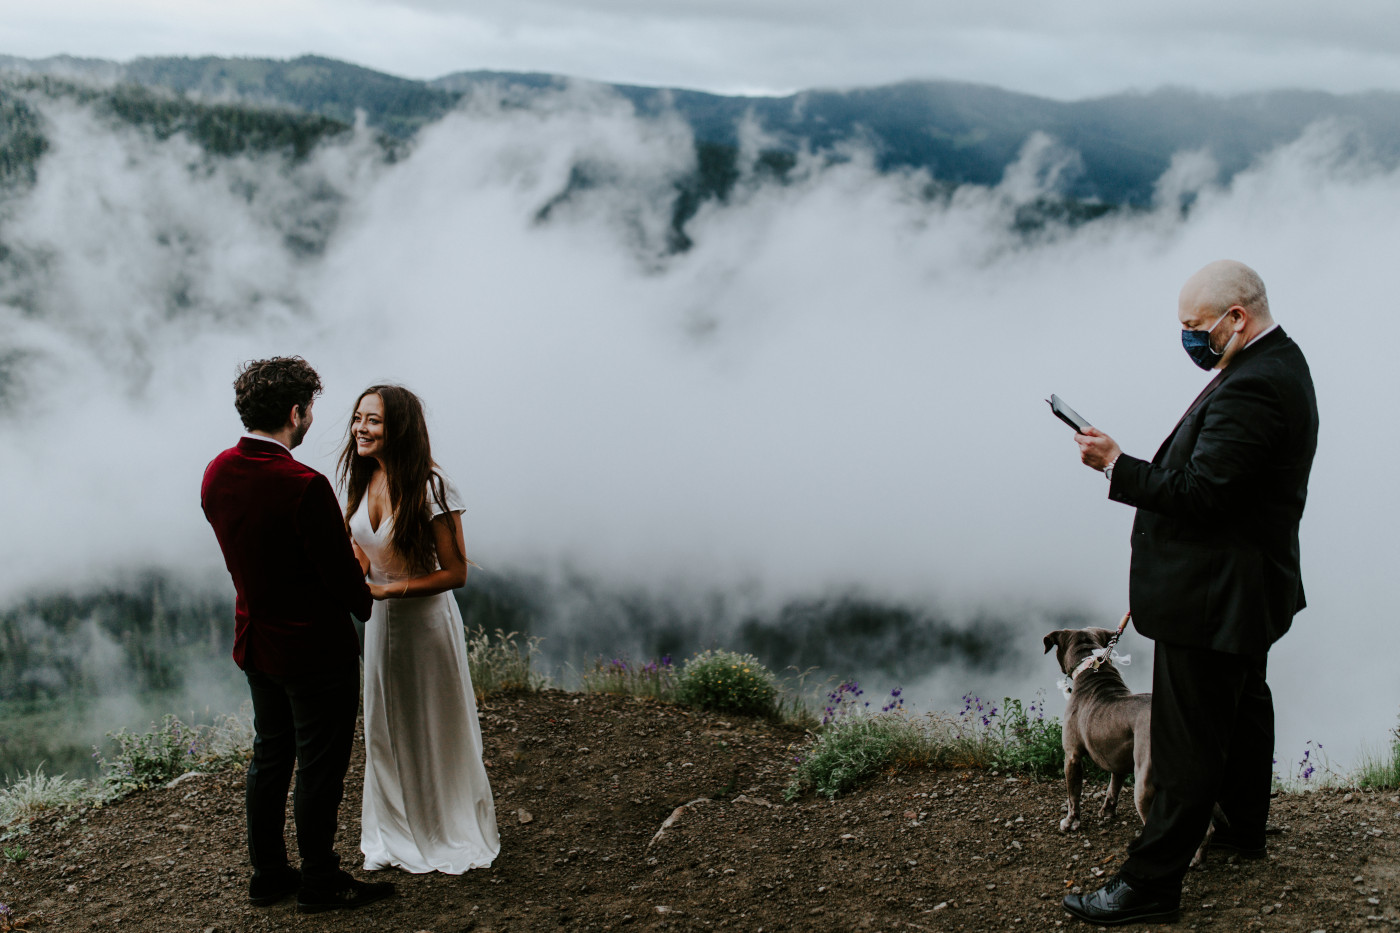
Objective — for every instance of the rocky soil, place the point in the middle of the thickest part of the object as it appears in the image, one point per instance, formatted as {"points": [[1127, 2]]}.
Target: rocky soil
{"points": [[584, 785]]}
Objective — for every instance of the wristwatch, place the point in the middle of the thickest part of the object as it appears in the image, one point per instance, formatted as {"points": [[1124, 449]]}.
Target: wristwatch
{"points": [[1108, 470]]}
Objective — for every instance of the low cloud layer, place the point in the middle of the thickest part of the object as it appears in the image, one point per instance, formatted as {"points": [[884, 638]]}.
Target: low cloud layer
{"points": [[839, 386]]}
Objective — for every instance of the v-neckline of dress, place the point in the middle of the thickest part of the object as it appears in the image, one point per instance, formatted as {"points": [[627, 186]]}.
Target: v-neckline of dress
{"points": [[384, 519]]}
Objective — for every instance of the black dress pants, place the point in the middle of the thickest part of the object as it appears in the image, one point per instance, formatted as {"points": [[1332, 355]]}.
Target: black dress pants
{"points": [[306, 721], [1212, 741]]}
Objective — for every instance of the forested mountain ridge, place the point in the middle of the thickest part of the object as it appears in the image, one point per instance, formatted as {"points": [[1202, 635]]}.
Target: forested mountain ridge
{"points": [[1117, 147]]}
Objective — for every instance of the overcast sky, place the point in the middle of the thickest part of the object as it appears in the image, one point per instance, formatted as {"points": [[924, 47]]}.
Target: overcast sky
{"points": [[1059, 49]]}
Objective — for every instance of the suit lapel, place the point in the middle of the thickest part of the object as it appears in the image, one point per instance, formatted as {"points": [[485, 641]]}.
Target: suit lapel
{"points": [[1255, 349], [1205, 393]]}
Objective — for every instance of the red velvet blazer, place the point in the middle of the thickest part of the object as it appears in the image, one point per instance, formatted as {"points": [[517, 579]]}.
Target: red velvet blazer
{"points": [[284, 542]]}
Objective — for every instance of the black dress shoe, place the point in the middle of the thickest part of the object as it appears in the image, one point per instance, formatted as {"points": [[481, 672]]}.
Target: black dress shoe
{"points": [[347, 894], [1117, 903], [1223, 842], [267, 888]]}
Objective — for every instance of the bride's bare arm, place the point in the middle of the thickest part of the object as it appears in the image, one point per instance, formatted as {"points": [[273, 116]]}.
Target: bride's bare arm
{"points": [[447, 531], [360, 556]]}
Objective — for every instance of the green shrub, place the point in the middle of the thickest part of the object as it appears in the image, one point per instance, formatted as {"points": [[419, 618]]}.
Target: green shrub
{"points": [[1029, 743], [173, 748], [655, 679], [853, 749], [502, 662], [729, 683]]}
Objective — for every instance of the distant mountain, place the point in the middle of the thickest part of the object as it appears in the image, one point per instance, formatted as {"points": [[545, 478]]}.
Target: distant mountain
{"points": [[966, 133], [959, 133]]}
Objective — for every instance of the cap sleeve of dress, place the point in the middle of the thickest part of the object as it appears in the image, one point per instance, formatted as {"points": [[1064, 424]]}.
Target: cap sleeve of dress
{"points": [[450, 493]]}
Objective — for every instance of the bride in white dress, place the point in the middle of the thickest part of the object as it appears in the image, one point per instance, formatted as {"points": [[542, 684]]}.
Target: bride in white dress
{"points": [[427, 801]]}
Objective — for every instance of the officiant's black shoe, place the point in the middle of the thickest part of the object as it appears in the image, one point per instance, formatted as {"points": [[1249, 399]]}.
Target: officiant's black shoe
{"points": [[1223, 843], [268, 888], [1117, 903], [347, 894]]}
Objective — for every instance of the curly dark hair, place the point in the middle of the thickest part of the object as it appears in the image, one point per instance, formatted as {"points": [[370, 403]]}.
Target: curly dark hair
{"points": [[266, 390]]}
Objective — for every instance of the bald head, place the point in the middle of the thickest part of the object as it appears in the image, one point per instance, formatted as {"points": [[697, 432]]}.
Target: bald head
{"points": [[1222, 285]]}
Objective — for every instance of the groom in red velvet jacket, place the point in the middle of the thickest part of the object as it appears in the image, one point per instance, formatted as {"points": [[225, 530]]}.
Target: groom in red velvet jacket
{"points": [[297, 579]]}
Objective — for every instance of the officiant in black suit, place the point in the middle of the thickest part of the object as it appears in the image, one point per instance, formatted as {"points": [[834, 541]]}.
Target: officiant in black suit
{"points": [[1214, 581]]}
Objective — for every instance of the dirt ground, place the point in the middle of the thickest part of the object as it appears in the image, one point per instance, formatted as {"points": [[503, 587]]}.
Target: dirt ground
{"points": [[583, 784]]}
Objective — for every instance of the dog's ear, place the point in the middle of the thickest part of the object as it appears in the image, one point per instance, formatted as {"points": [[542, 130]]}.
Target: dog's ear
{"points": [[1053, 640]]}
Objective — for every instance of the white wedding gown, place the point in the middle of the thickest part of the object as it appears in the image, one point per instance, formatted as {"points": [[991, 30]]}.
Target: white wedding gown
{"points": [[427, 801]]}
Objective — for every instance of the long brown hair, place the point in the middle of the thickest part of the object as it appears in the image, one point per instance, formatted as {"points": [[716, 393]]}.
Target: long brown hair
{"points": [[410, 470]]}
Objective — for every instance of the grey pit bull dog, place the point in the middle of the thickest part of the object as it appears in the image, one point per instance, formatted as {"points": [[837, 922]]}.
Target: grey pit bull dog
{"points": [[1103, 720]]}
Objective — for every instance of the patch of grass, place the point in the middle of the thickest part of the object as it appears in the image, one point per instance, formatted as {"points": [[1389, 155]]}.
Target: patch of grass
{"points": [[15, 853], [656, 679], [172, 748], [503, 661], [36, 792], [728, 682], [854, 744], [1381, 772]]}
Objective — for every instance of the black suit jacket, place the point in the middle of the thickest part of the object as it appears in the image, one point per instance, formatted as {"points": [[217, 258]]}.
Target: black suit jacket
{"points": [[1215, 540]]}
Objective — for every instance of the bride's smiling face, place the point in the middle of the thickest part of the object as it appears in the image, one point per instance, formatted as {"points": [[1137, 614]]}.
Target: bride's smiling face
{"points": [[367, 426]]}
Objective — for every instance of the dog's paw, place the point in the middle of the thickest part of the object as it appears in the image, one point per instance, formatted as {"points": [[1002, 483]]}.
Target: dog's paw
{"points": [[1109, 808], [1069, 825]]}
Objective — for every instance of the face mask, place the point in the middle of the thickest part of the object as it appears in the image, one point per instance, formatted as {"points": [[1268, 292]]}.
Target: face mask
{"points": [[1197, 344]]}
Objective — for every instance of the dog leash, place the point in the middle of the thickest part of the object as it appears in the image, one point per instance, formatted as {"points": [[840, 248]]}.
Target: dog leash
{"points": [[1098, 657], [1101, 654]]}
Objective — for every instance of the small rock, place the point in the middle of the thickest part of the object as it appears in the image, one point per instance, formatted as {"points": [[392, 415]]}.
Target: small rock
{"points": [[524, 815], [941, 905], [1347, 798], [759, 801], [71, 889], [991, 886], [663, 909], [910, 815], [183, 827], [1373, 901], [1267, 909]]}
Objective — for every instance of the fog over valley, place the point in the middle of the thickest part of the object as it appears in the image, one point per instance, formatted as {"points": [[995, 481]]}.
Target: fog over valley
{"points": [[827, 393]]}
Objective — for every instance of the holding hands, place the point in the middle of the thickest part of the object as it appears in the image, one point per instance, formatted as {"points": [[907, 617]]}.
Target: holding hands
{"points": [[390, 591]]}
